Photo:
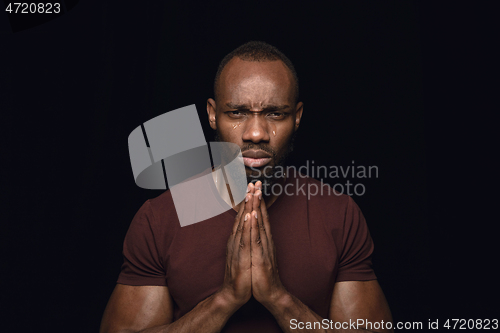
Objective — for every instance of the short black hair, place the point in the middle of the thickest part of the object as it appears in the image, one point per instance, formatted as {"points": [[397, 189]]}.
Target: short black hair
{"points": [[258, 51]]}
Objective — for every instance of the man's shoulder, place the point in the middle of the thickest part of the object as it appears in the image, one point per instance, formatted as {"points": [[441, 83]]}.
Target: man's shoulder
{"points": [[163, 200], [161, 208]]}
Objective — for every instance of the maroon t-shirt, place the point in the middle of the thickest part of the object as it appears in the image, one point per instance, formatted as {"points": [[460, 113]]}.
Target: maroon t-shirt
{"points": [[320, 239]]}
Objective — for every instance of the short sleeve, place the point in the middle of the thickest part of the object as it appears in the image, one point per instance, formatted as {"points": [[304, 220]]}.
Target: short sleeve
{"points": [[355, 260], [142, 264]]}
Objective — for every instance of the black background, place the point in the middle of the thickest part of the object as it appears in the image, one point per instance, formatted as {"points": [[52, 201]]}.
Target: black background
{"points": [[402, 85]]}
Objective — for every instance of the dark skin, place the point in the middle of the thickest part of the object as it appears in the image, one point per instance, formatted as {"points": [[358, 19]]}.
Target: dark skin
{"points": [[255, 106]]}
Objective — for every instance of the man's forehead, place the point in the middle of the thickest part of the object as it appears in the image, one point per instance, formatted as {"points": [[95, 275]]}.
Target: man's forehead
{"points": [[260, 105], [238, 69], [270, 81], [238, 64]]}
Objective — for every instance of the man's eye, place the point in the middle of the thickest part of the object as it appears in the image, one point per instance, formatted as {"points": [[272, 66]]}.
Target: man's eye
{"points": [[276, 115], [235, 114]]}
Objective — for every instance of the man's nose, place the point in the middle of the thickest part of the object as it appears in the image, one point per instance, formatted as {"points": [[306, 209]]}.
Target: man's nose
{"points": [[256, 129]]}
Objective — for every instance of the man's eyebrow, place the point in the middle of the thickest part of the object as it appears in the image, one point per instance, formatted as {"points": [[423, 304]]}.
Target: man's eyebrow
{"points": [[271, 107]]}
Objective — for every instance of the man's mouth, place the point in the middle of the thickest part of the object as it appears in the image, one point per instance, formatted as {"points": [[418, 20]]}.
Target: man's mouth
{"points": [[256, 158], [255, 162]]}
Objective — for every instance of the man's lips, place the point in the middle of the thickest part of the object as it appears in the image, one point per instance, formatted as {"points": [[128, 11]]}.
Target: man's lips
{"points": [[256, 162], [256, 158]]}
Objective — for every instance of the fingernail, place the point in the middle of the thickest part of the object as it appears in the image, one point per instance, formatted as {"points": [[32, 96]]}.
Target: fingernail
{"points": [[246, 217], [260, 196], [255, 214], [246, 198]]}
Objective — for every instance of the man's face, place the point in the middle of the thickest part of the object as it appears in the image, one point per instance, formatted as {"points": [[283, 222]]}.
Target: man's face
{"points": [[256, 110]]}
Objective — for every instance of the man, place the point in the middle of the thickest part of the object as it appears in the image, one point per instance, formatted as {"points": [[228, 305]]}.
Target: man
{"points": [[222, 274]]}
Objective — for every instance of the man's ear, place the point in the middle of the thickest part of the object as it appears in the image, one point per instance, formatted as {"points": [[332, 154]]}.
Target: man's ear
{"points": [[212, 114], [298, 114]]}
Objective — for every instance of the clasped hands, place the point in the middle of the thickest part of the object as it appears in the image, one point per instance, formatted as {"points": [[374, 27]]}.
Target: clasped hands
{"points": [[251, 267]]}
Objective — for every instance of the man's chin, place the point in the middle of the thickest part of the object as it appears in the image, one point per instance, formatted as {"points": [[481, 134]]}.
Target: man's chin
{"points": [[256, 174]]}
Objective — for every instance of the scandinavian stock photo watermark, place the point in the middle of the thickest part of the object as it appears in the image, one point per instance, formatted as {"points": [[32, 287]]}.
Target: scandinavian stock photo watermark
{"points": [[188, 162], [333, 179]]}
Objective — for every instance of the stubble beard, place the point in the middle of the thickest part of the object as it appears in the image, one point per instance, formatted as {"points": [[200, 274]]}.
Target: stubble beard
{"points": [[271, 173]]}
